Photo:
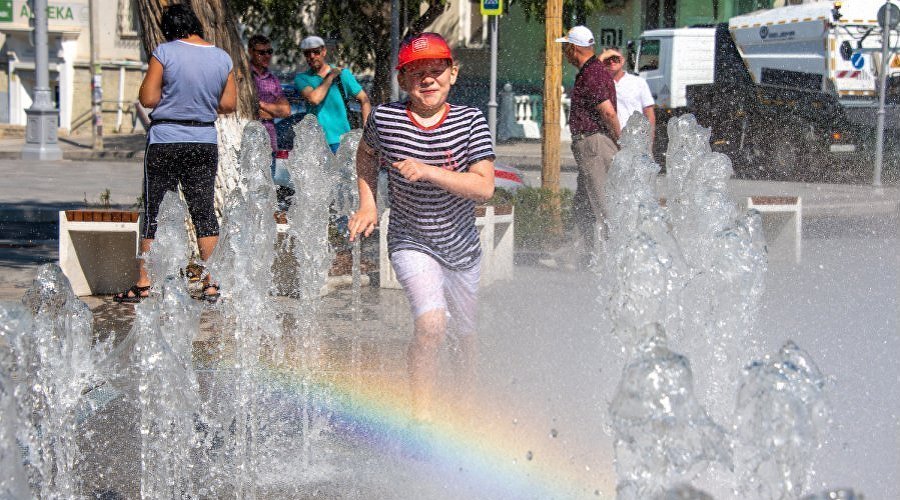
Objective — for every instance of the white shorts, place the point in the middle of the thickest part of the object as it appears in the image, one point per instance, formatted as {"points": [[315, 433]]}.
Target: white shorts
{"points": [[429, 286]]}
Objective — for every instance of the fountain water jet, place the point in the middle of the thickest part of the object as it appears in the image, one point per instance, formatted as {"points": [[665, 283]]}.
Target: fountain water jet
{"points": [[693, 271], [49, 353]]}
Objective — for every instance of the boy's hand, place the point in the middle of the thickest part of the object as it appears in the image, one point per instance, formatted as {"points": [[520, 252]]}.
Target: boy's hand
{"points": [[363, 222], [413, 170]]}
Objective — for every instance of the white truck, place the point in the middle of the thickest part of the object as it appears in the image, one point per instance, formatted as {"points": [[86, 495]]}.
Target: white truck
{"points": [[790, 90]]}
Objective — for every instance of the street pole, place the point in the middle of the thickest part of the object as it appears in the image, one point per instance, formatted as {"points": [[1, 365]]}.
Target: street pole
{"points": [[492, 101], [96, 78], [552, 96], [395, 48], [42, 119], [882, 89]]}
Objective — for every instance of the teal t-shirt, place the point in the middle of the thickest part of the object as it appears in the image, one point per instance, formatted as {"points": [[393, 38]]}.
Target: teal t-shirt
{"points": [[331, 112]]}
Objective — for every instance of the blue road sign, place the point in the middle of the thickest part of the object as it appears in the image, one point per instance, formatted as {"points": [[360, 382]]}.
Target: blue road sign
{"points": [[491, 7], [857, 60]]}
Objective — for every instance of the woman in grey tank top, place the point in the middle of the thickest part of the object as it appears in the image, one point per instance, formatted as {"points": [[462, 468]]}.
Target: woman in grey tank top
{"points": [[188, 83]]}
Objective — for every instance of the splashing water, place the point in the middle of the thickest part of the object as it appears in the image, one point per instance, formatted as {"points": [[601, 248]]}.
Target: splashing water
{"points": [[727, 264], [14, 319], [153, 364], [346, 199], [52, 358], [693, 271], [164, 327], [663, 435], [780, 417]]}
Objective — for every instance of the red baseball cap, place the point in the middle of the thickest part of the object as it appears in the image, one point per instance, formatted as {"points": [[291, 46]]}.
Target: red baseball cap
{"points": [[423, 46]]}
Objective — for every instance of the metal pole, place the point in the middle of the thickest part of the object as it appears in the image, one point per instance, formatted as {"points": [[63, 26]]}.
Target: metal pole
{"points": [[395, 48], [882, 89], [96, 77], [42, 118], [492, 102]]}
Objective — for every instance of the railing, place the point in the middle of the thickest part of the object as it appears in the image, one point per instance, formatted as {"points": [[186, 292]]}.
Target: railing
{"points": [[87, 117], [521, 116]]}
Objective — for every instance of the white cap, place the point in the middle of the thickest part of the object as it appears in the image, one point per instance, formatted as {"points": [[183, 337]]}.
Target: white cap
{"points": [[580, 36], [312, 42]]}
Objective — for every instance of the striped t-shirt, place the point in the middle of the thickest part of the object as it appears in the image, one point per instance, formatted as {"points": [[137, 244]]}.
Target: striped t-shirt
{"points": [[425, 217]]}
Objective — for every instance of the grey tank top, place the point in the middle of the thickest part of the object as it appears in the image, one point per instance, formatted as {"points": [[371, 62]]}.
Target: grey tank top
{"points": [[194, 77]]}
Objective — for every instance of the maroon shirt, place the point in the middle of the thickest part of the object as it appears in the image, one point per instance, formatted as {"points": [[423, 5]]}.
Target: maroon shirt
{"points": [[593, 85]]}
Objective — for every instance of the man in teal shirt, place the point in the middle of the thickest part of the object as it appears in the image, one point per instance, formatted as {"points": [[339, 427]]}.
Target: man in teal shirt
{"points": [[319, 86]]}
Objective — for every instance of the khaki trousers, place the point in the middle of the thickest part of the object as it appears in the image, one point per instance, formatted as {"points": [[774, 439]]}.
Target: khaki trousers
{"points": [[594, 155]]}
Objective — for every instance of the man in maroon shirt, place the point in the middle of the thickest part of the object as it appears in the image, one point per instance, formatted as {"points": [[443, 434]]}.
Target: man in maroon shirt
{"points": [[594, 127]]}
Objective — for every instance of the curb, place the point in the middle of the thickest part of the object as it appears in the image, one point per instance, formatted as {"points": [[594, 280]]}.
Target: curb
{"points": [[85, 155]]}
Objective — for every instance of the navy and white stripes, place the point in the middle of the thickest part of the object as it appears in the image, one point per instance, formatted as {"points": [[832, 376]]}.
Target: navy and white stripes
{"points": [[425, 217]]}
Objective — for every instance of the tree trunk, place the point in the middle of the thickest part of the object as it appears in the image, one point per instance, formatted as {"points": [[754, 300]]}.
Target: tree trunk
{"points": [[552, 97]]}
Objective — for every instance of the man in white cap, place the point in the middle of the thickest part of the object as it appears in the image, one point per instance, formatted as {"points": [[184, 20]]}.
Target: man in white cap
{"points": [[632, 92], [595, 130], [327, 101]]}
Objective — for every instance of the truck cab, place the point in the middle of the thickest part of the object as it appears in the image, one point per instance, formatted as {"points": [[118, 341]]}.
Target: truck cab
{"points": [[671, 59]]}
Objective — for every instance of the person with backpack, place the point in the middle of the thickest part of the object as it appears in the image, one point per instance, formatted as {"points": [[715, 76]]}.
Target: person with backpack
{"points": [[328, 89]]}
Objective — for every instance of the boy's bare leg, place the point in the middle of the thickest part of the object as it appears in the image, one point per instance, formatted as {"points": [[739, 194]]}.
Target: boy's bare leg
{"points": [[422, 361]]}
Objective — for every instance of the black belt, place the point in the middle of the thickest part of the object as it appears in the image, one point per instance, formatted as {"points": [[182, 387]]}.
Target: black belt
{"points": [[187, 123], [578, 137]]}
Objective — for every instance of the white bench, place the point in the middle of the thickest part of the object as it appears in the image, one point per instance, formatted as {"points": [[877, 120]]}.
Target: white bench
{"points": [[98, 249], [496, 231], [776, 235]]}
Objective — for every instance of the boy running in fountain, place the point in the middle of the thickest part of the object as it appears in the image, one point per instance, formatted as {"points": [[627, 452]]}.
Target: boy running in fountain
{"points": [[440, 161]]}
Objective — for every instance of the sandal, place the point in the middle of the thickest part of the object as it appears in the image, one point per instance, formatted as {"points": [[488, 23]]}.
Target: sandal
{"points": [[213, 297], [133, 295]]}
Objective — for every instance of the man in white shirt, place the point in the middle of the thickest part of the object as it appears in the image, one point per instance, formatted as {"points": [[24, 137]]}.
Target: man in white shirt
{"points": [[632, 92]]}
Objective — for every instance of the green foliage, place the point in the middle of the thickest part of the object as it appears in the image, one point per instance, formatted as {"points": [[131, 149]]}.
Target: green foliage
{"points": [[362, 29], [574, 11], [534, 216]]}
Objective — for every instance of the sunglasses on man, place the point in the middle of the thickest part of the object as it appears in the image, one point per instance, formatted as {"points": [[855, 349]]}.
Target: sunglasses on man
{"points": [[612, 60], [312, 52], [265, 52]]}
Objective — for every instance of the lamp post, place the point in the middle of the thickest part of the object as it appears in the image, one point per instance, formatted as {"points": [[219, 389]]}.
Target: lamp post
{"points": [[888, 17], [395, 48], [492, 101], [42, 117]]}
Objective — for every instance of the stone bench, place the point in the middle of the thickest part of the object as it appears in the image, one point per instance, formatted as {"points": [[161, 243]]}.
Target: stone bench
{"points": [[496, 231], [98, 249], [779, 231]]}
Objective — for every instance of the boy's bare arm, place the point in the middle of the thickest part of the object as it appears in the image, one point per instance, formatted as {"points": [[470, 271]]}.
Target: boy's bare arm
{"points": [[476, 184], [366, 217]]}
